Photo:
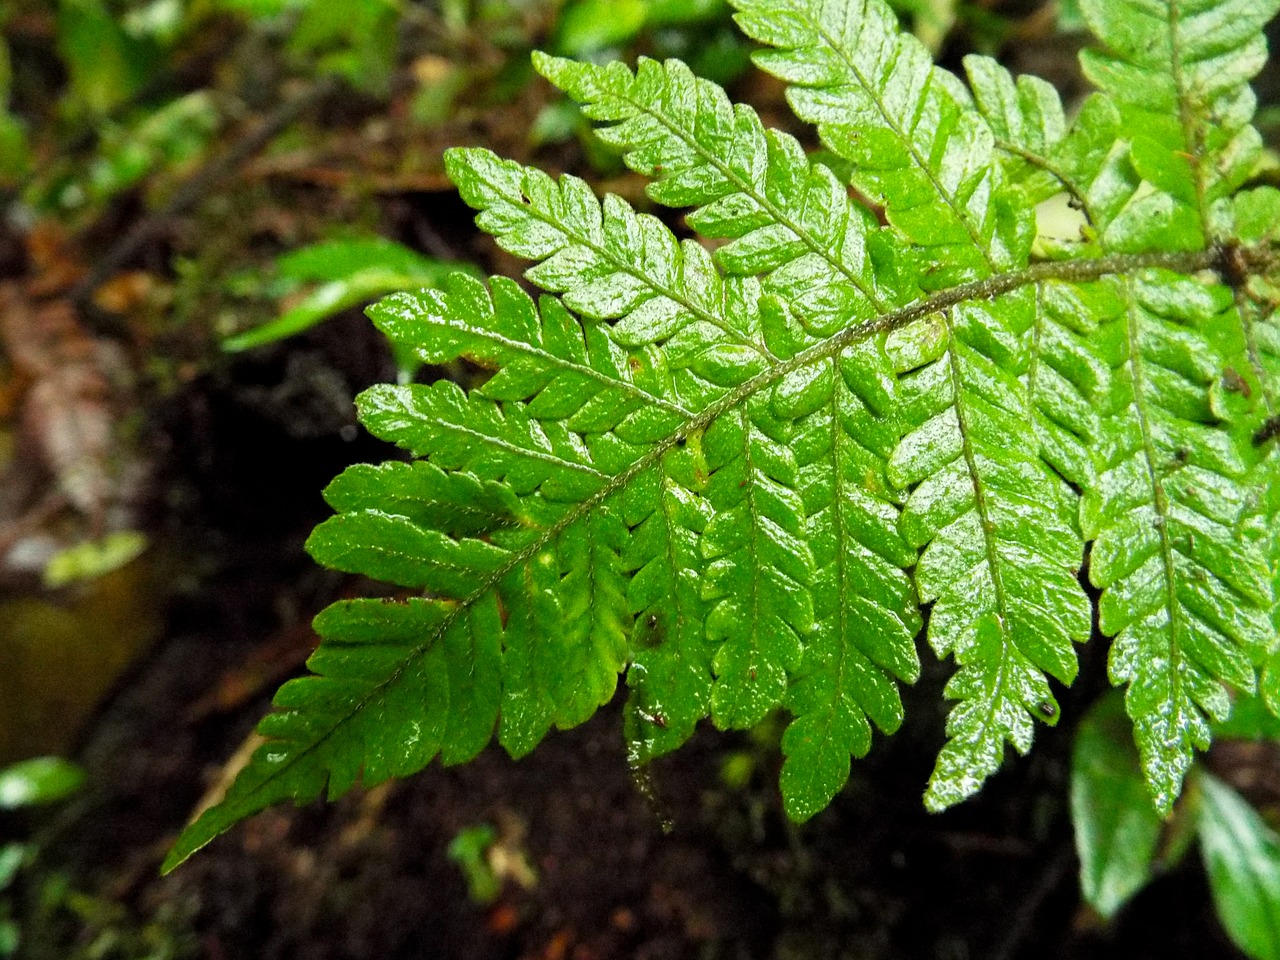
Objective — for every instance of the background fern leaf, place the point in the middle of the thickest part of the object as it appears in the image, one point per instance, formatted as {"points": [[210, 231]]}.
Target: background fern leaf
{"points": [[1185, 596], [917, 146]]}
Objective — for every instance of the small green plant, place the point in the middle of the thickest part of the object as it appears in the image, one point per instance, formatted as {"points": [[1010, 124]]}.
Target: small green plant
{"points": [[742, 478], [345, 273], [1123, 843], [29, 783]]}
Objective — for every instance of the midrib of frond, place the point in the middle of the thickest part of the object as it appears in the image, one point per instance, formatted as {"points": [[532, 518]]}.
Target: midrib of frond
{"points": [[690, 139], [1160, 498], [906, 139], [1192, 132], [826, 349], [994, 563]]}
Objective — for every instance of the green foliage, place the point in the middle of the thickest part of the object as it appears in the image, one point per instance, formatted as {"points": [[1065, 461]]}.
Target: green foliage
{"points": [[1122, 842], [469, 851], [353, 38], [1117, 830], [1242, 858], [39, 780], [106, 64], [28, 783], [347, 273], [743, 476]]}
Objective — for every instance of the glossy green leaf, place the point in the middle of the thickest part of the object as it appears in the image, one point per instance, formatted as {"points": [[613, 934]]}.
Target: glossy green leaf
{"points": [[743, 475], [1185, 594], [1001, 549], [39, 780], [350, 273], [1116, 827], [1045, 155], [586, 26], [106, 65], [339, 259], [1242, 857], [865, 608]]}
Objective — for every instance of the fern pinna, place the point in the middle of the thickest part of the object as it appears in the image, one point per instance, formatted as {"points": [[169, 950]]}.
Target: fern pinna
{"points": [[738, 477]]}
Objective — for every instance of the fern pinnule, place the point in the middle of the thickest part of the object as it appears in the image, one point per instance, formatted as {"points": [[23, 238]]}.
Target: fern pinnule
{"points": [[916, 145]]}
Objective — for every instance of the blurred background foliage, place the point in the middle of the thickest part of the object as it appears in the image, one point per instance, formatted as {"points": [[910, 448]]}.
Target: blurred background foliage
{"points": [[196, 199]]}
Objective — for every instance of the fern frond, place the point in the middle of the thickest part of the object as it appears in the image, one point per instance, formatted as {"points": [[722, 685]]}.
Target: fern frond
{"points": [[1179, 70], [742, 478], [1185, 596], [916, 145], [792, 222], [1001, 546], [607, 261], [865, 608]]}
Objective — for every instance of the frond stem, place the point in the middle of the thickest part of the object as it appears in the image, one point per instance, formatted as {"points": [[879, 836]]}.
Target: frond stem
{"points": [[1214, 258], [1078, 193]]}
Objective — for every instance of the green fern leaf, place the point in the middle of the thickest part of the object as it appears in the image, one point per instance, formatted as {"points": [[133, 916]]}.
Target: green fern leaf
{"points": [[865, 606], [1179, 71], [1002, 545], [608, 261], [792, 222], [786, 216], [907, 127], [378, 706], [740, 479], [1185, 596]]}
